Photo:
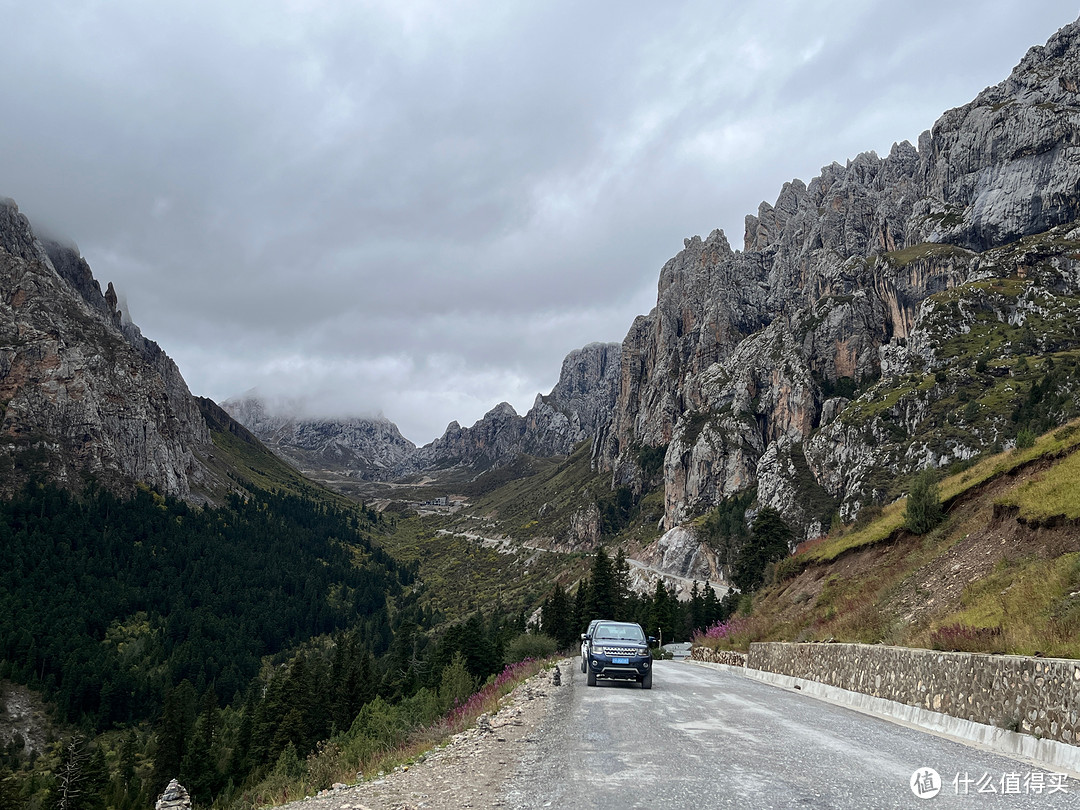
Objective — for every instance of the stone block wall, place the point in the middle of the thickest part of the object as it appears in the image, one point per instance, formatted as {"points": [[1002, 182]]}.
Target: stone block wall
{"points": [[1039, 696], [729, 657]]}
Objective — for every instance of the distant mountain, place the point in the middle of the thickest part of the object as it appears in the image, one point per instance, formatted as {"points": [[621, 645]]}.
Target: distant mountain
{"points": [[369, 448], [579, 407]]}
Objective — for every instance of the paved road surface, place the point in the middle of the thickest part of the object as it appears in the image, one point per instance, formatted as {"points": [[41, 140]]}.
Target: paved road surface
{"points": [[703, 738]]}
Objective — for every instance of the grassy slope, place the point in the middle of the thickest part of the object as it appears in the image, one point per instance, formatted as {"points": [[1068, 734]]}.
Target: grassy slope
{"points": [[461, 575], [542, 505], [1002, 574], [239, 458], [527, 508]]}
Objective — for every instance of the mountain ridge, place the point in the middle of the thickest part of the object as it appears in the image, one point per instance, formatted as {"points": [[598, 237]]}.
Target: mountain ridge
{"points": [[765, 367], [373, 449]]}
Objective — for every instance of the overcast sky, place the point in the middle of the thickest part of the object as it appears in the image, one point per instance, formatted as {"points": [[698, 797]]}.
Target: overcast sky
{"points": [[418, 208]]}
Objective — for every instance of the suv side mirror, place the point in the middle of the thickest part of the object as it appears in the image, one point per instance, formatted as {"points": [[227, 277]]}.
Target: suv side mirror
{"points": [[584, 637], [652, 641]]}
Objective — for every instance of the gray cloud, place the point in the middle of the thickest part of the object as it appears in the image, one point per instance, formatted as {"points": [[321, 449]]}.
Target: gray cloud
{"points": [[419, 207]]}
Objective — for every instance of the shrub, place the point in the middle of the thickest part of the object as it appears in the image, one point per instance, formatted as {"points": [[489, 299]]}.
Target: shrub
{"points": [[456, 683], [923, 511], [962, 638], [734, 633], [1024, 439], [530, 645]]}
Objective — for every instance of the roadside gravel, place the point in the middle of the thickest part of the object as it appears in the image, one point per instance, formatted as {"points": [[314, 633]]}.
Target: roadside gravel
{"points": [[476, 767]]}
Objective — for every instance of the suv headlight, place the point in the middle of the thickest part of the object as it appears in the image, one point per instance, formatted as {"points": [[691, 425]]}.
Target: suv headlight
{"points": [[644, 653], [596, 650]]}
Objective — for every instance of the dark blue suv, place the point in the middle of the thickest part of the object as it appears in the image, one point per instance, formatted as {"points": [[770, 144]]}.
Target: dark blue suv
{"points": [[619, 651]]}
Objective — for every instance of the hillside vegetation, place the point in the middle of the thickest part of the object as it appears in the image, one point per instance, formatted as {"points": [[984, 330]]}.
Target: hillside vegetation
{"points": [[1001, 573]]}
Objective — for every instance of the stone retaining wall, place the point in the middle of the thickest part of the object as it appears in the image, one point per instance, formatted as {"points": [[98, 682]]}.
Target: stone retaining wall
{"points": [[729, 657], [1039, 696]]}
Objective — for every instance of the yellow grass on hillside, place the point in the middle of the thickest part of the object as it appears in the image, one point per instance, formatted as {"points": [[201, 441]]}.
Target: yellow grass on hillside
{"points": [[1056, 492], [1052, 493]]}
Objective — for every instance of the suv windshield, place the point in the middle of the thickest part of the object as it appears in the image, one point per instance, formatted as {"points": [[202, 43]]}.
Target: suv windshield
{"points": [[619, 632]]}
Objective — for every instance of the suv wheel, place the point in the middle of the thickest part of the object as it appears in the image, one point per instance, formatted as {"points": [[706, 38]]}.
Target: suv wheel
{"points": [[590, 679], [646, 680]]}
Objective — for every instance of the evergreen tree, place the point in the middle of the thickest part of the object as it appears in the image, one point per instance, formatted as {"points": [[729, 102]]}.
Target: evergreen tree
{"points": [[456, 685], [769, 541], [478, 650], [696, 612], [173, 733], [603, 598], [557, 618], [712, 610], [200, 773], [923, 511], [623, 594], [9, 791], [581, 608], [662, 613]]}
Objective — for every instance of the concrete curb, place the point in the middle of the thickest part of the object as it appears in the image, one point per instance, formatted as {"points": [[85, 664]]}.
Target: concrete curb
{"points": [[1049, 754]]}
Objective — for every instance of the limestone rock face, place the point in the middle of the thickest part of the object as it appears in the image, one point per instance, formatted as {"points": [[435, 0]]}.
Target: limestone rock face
{"points": [[1008, 164], [746, 369], [498, 436], [683, 555], [370, 448], [578, 408], [83, 392]]}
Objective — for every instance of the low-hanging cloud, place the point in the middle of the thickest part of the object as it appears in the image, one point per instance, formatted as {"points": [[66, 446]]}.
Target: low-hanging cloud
{"points": [[419, 207]]}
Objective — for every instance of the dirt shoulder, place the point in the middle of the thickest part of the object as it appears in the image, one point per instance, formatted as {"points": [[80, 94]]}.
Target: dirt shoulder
{"points": [[474, 768]]}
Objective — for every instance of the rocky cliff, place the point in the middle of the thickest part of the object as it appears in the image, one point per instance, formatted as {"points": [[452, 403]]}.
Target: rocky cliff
{"points": [[579, 407], [831, 355], [83, 393]]}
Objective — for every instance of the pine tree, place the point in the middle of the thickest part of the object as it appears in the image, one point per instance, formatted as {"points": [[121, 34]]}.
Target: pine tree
{"points": [[662, 613], [769, 541], [603, 596], [557, 618], [623, 595], [173, 732], [581, 607], [200, 773]]}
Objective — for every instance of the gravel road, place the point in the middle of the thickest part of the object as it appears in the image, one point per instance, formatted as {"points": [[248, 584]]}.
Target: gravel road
{"points": [[703, 738], [699, 739]]}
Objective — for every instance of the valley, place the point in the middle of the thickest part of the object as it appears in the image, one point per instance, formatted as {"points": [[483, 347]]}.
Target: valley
{"points": [[860, 426]]}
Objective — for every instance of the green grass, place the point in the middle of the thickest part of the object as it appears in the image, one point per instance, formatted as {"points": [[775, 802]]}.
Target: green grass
{"points": [[1054, 493], [1061, 442], [925, 251], [1028, 603], [461, 576]]}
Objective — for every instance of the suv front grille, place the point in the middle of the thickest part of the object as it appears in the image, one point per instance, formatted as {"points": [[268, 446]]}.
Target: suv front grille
{"points": [[621, 650]]}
